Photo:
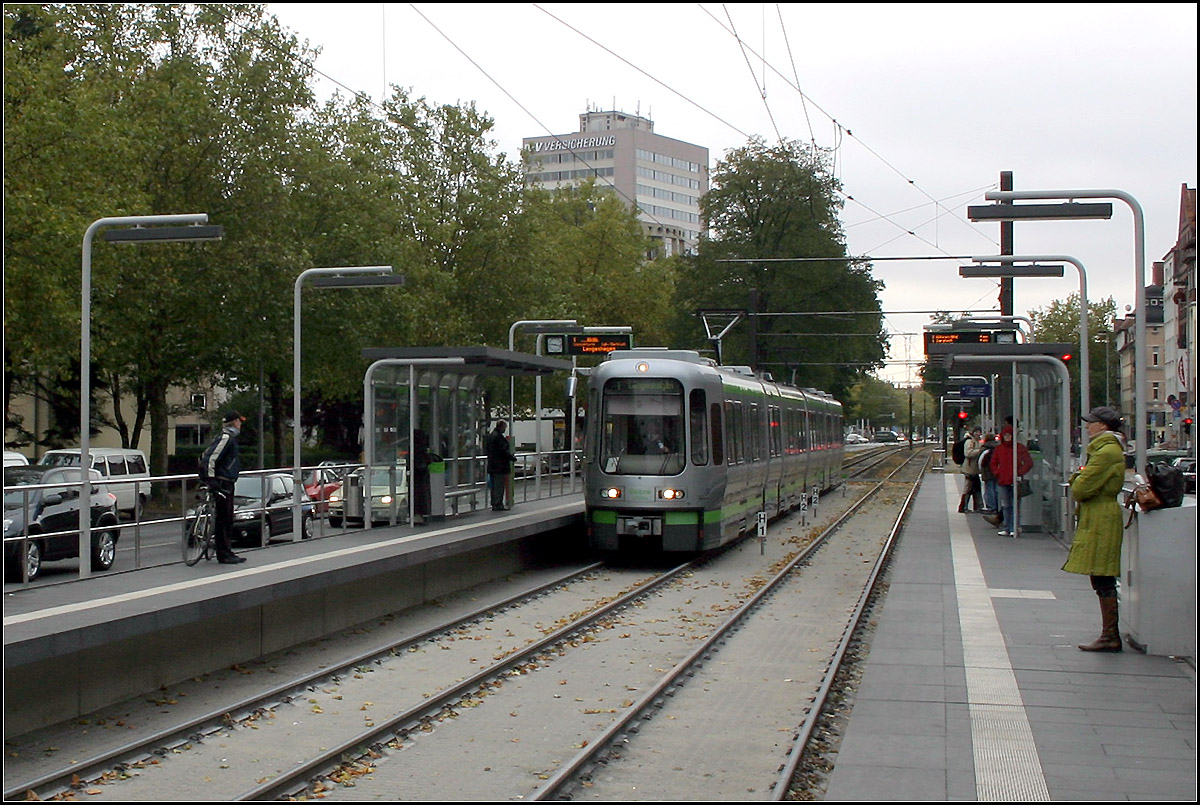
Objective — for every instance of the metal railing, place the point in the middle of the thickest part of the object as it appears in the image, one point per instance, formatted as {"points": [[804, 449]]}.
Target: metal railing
{"points": [[157, 530]]}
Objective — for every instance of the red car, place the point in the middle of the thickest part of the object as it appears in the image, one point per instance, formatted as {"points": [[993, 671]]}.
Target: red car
{"points": [[321, 483]]}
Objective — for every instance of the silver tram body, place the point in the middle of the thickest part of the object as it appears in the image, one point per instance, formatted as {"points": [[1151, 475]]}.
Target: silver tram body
{"points": [[682, 454]]}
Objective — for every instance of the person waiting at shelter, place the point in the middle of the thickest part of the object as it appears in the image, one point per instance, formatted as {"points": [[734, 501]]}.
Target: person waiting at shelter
{"points": [[1096, 546], [1006, 483], [970, 468], [500, 458]]}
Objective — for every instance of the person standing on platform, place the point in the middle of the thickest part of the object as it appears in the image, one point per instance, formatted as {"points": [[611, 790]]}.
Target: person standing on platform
{"points": [[219, 467], [1096, 548], [500, 459], [991, 507], [1002, 468], [970, 467]]}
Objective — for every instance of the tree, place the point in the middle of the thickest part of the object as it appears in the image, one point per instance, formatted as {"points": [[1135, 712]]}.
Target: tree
{"points": [[1058, 322], [773, 212]]}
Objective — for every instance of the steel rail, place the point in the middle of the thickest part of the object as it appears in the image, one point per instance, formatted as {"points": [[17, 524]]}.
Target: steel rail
{"points": [[146, 745], [782, 783], [556, 782], [289, 782]]}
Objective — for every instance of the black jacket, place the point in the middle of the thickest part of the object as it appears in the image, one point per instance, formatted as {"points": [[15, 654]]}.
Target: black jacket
{"points": [[221, 460], [499, 454]]}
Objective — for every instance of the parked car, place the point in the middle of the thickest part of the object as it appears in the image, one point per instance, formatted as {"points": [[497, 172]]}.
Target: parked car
{"points": [[856, 438], [259, 498], [115, 464], [1188, 467], [33, 512], [322, 482], [14, 459], [885, 436], [383, 502]]}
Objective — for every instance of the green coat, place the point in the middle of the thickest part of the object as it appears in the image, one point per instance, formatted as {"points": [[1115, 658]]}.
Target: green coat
{"points": [[1096, 549]]}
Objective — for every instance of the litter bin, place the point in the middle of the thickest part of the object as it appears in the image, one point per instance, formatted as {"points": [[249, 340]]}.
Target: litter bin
{"points": [[437, 487]]}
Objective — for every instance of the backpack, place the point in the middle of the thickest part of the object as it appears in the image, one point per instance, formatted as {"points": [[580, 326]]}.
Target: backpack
{"points": [[958, 452], [1167, 483]]}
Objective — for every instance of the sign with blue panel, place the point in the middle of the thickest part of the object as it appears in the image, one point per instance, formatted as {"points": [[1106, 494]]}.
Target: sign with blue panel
{"points": [[982, 390]]}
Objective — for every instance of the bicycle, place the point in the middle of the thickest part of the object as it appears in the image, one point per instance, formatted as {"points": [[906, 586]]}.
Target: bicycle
{"points": [[198, 539]]}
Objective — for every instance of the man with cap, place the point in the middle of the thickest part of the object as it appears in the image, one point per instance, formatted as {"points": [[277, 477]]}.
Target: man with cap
{"points": [[1096, 547], [220, 466]]}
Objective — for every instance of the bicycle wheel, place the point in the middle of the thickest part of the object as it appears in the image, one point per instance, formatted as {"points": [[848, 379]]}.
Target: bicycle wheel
{"points": [[199, 536]]}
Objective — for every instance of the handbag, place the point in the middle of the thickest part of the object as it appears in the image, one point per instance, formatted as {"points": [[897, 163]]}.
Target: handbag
{"points": [[1024, 489]]}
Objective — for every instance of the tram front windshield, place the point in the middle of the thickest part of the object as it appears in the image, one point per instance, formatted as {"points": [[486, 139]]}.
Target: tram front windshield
{"points": [[642, 427]]}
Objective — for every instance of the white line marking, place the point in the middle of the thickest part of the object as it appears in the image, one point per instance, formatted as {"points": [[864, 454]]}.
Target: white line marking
{"points": [[252, 571], [1007, 767]]}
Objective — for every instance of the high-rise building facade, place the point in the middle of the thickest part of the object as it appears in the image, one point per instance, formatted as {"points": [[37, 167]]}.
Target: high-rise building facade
{"points": [[663, 177]]}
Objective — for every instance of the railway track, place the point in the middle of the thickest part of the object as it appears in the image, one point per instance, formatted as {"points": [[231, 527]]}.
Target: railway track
{"points": [[524, 696]]}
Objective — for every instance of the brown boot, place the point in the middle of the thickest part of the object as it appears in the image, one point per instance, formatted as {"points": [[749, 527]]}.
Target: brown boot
{"points": [[1110, 636]]}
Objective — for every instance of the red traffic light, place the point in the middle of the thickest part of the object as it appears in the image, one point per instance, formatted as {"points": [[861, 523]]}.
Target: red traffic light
{"points": [[1066, 357], [963, 415], [1187, 421]]}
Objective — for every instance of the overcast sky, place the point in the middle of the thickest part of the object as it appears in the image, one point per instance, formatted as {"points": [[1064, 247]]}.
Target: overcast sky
{"points": [[931, 103]]}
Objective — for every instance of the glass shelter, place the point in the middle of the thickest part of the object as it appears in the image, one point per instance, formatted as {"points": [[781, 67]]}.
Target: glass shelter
{"points": [[425, 425]]}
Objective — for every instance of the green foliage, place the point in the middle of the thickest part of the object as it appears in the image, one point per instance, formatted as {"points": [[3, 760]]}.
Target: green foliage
{"points": [[142, 109], [773, 203], [1058, 322]]}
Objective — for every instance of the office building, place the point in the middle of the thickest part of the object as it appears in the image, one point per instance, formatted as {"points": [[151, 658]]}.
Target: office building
{"points": [[664, 177]]}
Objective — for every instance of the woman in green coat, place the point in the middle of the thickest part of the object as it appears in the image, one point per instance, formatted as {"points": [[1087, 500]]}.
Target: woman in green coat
{"points": [[1096, 549]]}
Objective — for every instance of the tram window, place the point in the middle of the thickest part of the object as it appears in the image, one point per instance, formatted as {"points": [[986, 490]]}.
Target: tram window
{"points": [[718, 445], [733, 424], [754, 420], [697, 413], [643, 427]]}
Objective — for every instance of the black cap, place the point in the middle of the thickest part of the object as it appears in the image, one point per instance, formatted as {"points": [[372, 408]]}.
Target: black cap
{"points": [[233, 416], [1105, 416]]}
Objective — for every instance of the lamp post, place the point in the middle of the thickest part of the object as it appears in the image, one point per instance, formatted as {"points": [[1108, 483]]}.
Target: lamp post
{"points": [[142, 229], [1071, 211], [1085, 370], [535, 326], [347, 277]]}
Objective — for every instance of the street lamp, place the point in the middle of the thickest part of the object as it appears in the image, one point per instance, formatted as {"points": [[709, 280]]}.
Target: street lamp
{"points": [[532, 326], [1085, 391], [347, 277], [1071, 211], [144, 228]]}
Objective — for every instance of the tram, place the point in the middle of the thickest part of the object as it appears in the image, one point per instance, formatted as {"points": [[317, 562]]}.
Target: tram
{"points": [[682, 454]]}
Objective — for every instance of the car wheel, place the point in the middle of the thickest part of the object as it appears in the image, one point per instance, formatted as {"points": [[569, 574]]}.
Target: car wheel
{"points": [[33, 560], [104, 550], [336, 522], [306, 527], [139, 507]]}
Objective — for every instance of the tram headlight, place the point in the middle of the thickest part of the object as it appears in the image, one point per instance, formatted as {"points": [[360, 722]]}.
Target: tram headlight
{"points": [[611, 493], [671, 494]]}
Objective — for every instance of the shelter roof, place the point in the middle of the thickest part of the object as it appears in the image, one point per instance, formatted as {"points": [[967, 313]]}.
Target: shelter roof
{"points": [[476, 360]]}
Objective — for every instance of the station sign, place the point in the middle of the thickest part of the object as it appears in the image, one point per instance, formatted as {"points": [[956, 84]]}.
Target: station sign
{"points": [[969, 337], [980, 391]]}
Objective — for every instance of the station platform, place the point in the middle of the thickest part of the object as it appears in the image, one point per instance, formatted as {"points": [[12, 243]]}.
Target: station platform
{"points": [[974, 688], [72, 648]]}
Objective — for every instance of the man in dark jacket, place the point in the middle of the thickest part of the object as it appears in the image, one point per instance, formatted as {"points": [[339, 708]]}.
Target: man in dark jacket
{"points": [[220, 466], [499, 460]]}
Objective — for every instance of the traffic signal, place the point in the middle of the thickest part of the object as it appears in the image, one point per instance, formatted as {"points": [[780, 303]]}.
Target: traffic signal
{"points": [[1187, 425], [1066, 357], [963, 415]]}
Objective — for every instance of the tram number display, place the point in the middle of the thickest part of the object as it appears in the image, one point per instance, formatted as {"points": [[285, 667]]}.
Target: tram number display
{"points": [[597, 344]]}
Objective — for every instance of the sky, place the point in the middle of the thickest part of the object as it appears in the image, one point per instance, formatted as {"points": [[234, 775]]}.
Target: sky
{"points": [[922, 105]]}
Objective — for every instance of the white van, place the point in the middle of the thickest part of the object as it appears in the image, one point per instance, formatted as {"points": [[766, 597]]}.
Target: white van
{"points": [[120, 467], [14, 459]]}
